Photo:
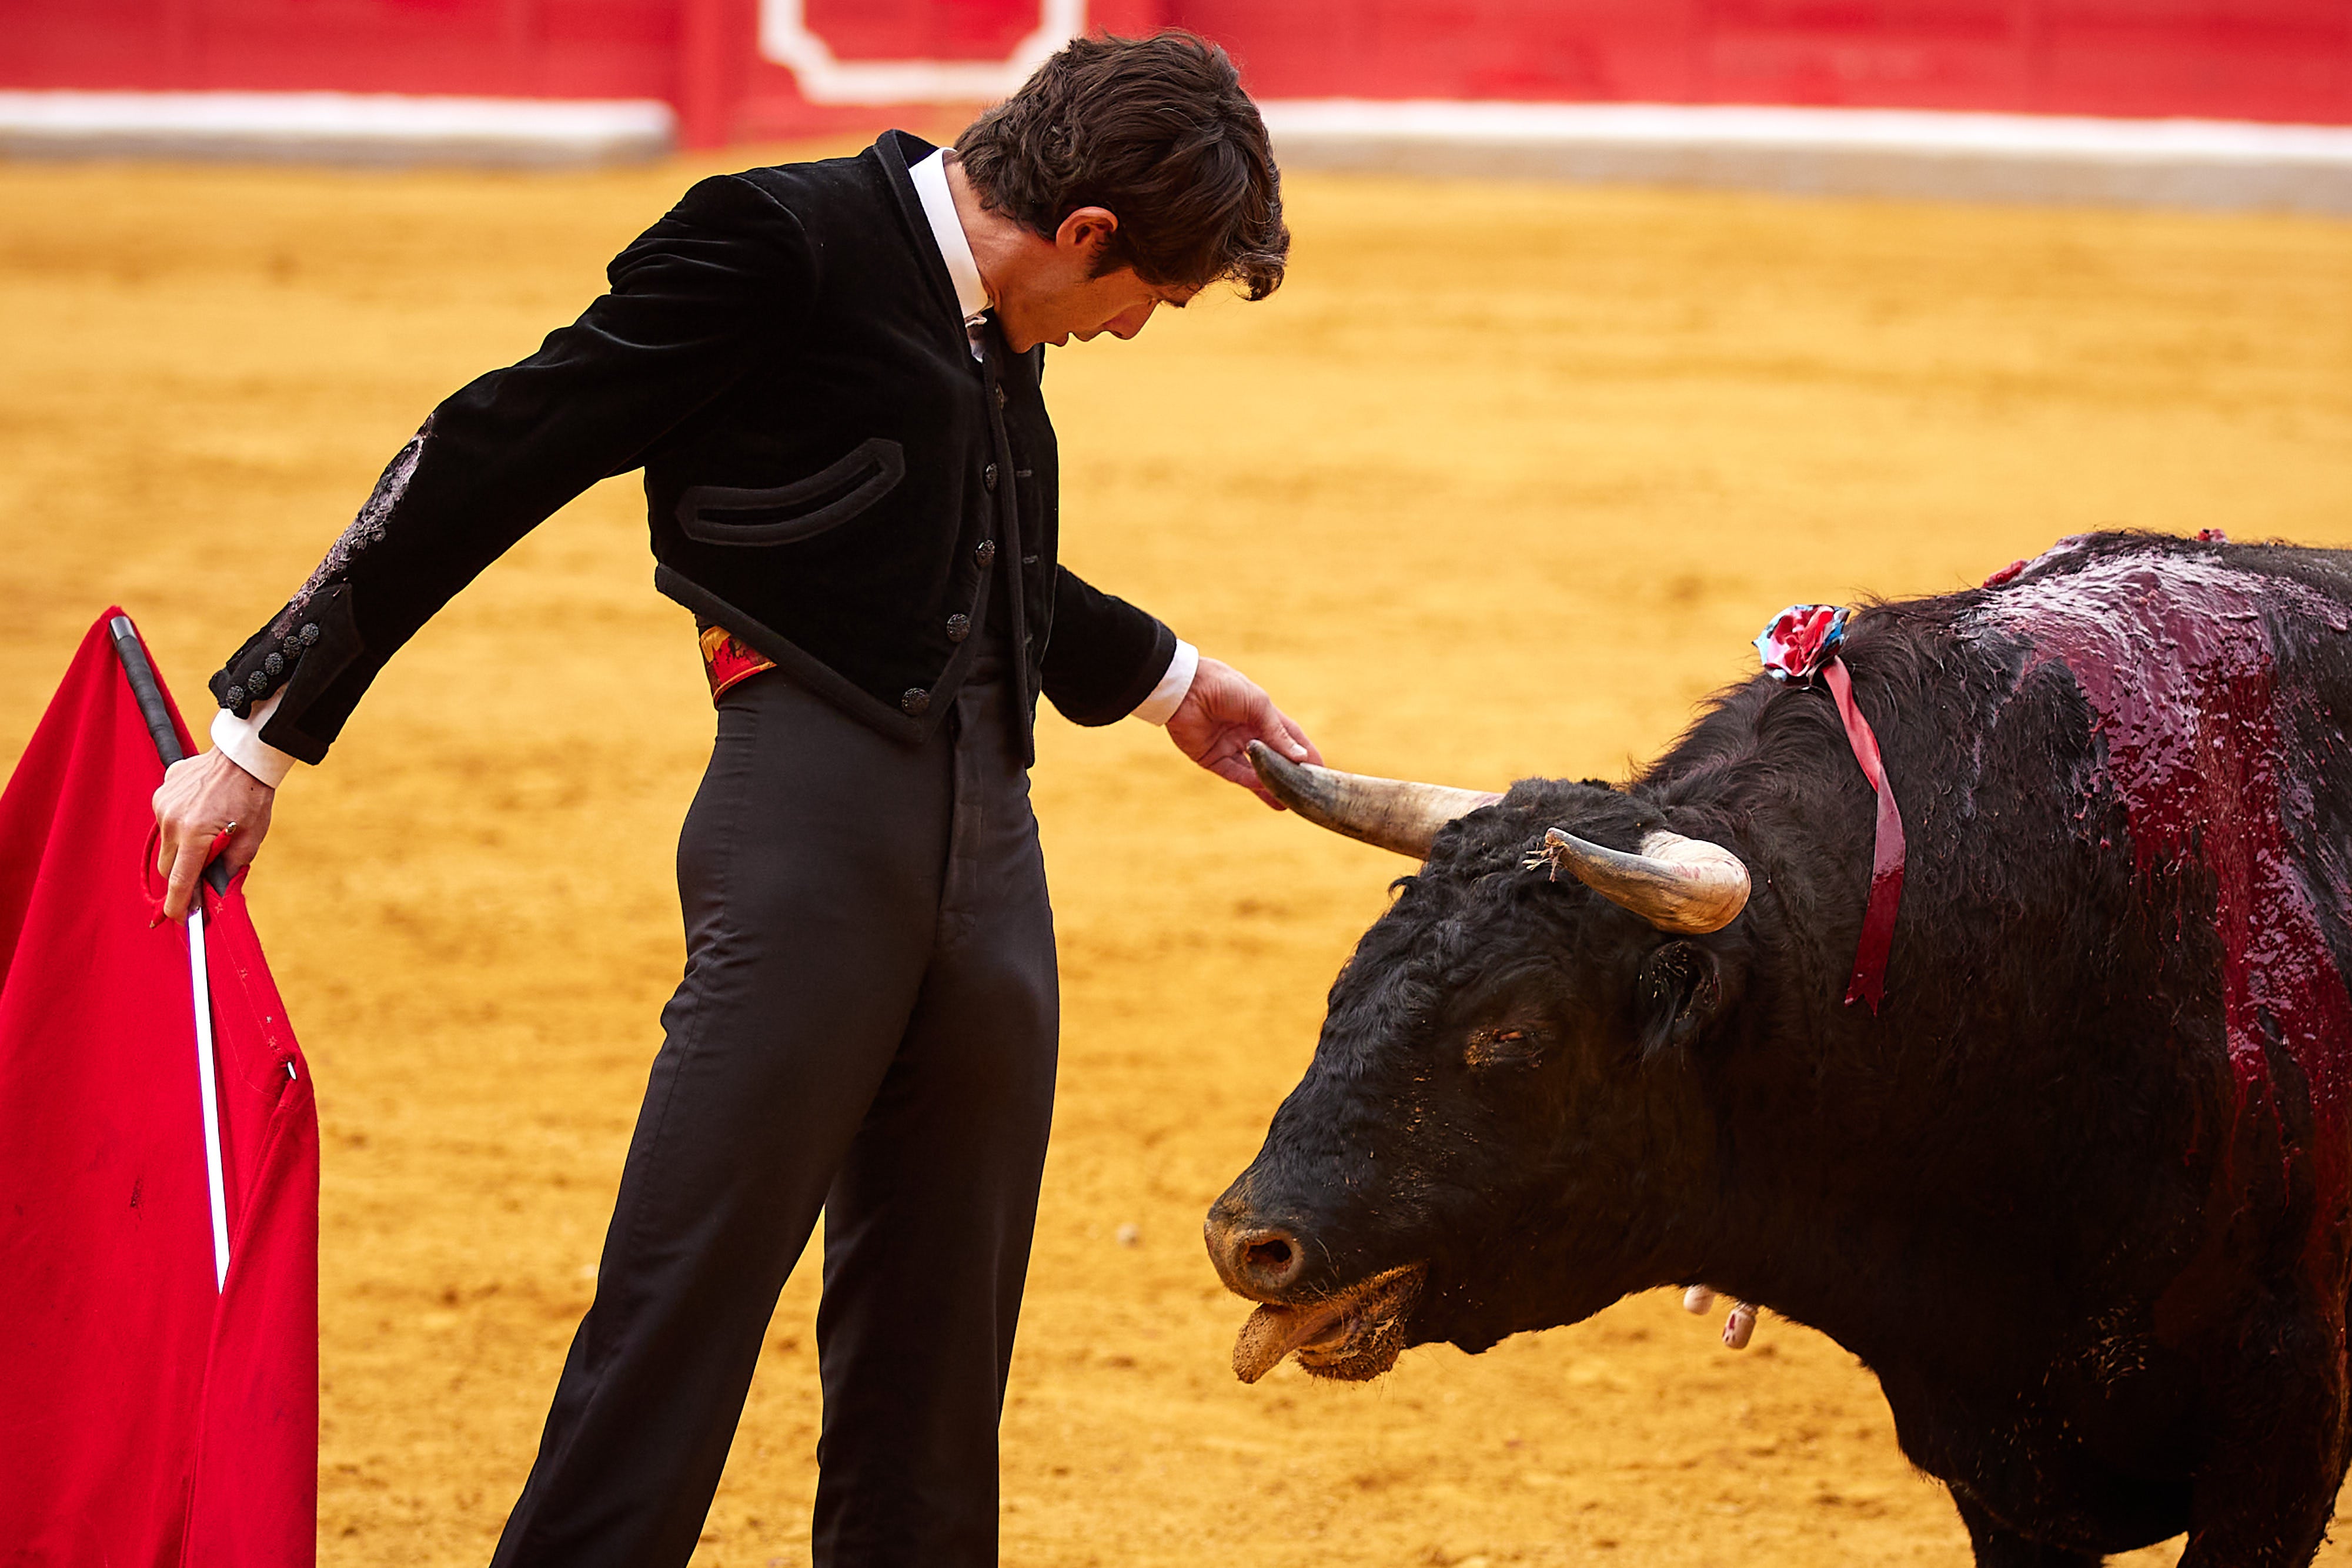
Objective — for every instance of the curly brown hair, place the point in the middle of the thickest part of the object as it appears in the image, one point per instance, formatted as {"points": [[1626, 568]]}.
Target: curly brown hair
{"points": [[1159, 132]]}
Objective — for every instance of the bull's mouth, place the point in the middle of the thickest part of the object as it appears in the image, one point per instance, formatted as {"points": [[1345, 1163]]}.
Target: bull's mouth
{"points": [[1355, 1334]]}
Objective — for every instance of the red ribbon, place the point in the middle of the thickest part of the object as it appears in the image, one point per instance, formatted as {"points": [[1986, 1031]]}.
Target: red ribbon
{"points": [[1869, 982]]}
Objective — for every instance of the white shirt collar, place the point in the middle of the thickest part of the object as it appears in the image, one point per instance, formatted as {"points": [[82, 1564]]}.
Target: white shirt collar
{"points": [[930, 177]]}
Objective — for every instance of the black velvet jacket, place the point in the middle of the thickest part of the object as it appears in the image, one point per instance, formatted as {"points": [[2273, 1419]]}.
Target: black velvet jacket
{"points": [[830, 474]]}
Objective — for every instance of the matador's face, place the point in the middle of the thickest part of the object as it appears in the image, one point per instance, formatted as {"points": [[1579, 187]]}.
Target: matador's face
{"points": [[1060, 296]]}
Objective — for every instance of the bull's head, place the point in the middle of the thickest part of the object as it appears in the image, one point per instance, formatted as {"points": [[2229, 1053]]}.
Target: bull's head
{"points": [[1507, 1084]]}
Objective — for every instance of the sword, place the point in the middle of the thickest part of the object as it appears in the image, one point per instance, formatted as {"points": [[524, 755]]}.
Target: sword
{"points": [[144, 687]]}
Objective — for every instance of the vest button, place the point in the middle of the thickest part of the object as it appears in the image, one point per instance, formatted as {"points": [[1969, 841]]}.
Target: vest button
{"points": [[984, 551], [959, 628], [987, 475], [916, 700]]}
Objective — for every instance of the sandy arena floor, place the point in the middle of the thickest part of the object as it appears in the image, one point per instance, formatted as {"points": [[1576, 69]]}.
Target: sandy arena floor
{"points": [[1500, 483]]}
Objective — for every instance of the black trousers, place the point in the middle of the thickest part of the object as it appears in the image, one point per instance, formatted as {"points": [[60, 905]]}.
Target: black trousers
{"points": [[866, 1026]]}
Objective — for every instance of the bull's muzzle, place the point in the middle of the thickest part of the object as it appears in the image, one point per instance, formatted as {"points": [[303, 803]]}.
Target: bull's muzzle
{"points": [[1254, 1259]]}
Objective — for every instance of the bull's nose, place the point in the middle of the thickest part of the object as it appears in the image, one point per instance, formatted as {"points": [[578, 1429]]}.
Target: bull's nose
{"points": [[1254, 1260]]}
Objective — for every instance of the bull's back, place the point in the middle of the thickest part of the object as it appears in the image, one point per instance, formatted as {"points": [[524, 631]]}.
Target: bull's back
{"points": [[2214, 678]]}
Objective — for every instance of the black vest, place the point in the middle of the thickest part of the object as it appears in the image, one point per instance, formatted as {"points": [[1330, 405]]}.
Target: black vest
{"points": [[829, 473]]}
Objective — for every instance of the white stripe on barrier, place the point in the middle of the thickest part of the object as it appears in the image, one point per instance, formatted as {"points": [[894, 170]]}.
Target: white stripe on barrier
{"points": [[1851, 152], [1859, 151], [334, 128]]}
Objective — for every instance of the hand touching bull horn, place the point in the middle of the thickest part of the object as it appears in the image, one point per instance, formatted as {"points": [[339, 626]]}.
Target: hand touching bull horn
{"points": [[1681, 885], [1390, 813]]}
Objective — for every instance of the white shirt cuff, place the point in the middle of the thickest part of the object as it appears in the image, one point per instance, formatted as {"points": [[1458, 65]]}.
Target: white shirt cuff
{"points": [[1168, 695], [241, 739]]}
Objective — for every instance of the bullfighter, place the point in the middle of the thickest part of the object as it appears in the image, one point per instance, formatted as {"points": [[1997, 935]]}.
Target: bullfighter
{"points": [[829, 373]]}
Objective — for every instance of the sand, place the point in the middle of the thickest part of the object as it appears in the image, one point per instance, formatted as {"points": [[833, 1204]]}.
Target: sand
{"points": [[1499, 484]]}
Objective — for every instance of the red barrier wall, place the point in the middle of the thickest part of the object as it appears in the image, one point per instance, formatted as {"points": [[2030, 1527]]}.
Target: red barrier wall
{"points": [[523, 48], [2257, 59], [2252, 59]]}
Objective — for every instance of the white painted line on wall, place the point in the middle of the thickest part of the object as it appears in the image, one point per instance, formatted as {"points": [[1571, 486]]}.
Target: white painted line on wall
{"points": [[786, 38], [334, 128], [1839, 151], [1844, 151]]}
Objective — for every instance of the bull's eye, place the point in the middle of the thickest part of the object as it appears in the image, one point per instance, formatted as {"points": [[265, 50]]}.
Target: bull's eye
{"points": [[1500, 1047]]}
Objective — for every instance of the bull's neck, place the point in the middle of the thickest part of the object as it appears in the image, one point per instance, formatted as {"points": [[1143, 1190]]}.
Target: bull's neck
{"points": [[1814, 1204]]}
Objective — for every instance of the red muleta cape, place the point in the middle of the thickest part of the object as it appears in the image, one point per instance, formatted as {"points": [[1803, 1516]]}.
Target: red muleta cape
{"points": [[146, 1419]]}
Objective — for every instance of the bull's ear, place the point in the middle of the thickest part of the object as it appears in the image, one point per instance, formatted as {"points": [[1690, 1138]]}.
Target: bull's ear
{"points": [[1677, 995]]}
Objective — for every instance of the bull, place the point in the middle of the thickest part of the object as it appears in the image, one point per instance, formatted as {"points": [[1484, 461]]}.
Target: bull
{"points": [[2077, 1190]]}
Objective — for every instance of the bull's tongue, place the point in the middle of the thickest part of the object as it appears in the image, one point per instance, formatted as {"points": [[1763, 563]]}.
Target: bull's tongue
{"points": [[1273, 1333]]}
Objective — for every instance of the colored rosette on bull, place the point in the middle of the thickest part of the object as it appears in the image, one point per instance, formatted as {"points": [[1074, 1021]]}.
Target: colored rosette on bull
{"points": [[1800, 640]]}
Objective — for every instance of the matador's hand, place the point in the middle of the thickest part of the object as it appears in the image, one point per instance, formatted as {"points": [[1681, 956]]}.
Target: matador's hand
{"points": [[1222, 714], [201, 798]]}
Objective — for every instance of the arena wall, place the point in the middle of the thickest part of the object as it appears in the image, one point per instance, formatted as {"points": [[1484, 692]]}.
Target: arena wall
{"points": [[736, 69]]}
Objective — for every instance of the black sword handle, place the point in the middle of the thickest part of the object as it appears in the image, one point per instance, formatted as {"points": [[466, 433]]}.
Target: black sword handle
{"points": [[149, 693]]}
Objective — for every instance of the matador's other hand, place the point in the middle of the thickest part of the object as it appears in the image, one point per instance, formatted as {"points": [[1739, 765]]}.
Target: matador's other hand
{"points": [[1223, 711], [200, 799]]}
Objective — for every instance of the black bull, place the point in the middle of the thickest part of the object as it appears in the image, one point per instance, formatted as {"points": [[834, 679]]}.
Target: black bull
{"points": [[2076, 1193]]}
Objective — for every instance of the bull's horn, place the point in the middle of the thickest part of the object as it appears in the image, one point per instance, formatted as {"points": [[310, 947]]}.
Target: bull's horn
{"points": [[1675, 883], [1389, 812]]}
